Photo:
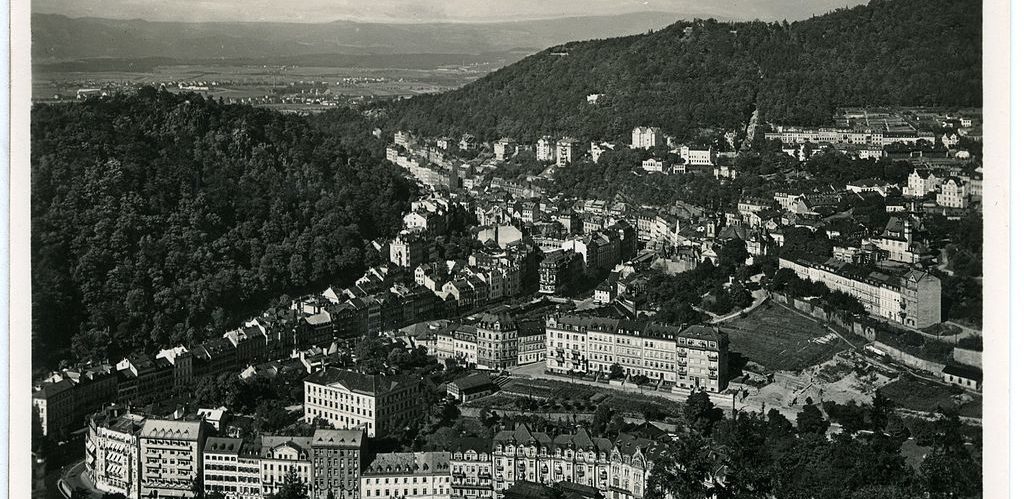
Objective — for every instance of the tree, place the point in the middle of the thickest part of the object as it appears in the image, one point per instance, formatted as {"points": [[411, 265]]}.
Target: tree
{"points": [[810, 420], [950, 470], [292, 488], [700, 413], [602, 417], [641, 380], [682, 471], [616, 372]]}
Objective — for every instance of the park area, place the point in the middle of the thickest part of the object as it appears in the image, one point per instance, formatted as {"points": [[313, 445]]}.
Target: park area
{"points": [[780, 339]]}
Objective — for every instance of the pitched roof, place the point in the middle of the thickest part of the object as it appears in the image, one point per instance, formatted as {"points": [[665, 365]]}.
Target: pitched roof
{"points": [[270, 442], [337, 438], [358, 382], [171, 430], [473, 382], [409, 463], [221, 445]]}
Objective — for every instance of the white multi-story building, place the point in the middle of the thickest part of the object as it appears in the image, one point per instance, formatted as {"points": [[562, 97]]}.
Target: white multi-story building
{"points": [[920, 183], [567, 150], [546, 149], [470, 465], [646, 137], [504, 149], [912, 298], [349, 400], [171, 453], [954, 193], [408, 475], [696, 156], [581, 344], [112, 453], [232, 467], [617, 469], [285, 458], [652, 165], [457, 343], [703, 359]]}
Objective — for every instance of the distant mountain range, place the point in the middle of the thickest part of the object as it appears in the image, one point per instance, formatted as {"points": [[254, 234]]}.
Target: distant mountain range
{"points": [[58, 38]]}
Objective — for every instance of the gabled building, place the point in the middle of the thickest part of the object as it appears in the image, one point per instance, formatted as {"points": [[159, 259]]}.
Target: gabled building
{"points": [[283, 457]]}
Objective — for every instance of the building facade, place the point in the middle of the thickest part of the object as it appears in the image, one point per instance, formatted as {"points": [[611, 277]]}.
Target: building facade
{"points": [[112, 453], [231, 467], [337, 461], [471, 473], [285, 458], [352, 400], [497, 340], [617, 469], [410, 475], [171, 453], [912, 298]]}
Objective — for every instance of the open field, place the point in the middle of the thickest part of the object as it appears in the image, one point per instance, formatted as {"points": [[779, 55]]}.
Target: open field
{"points": [[257, 80], [780, 339], [568, 397], [919, 395]]}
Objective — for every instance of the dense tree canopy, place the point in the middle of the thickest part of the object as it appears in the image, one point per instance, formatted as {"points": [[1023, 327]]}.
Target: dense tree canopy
{"points": [[693, 75], [157, 218]]}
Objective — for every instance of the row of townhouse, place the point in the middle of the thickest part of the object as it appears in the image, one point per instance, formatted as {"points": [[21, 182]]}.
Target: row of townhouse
{"points": [[601, 250], [682, 358], [796, 135], [951, 191], [62, 401], [143, 457], [495, 341], [911, 298], [618, 468]]}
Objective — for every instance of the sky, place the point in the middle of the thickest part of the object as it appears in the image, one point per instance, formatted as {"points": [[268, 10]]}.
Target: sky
{"points": [[427, 10]]}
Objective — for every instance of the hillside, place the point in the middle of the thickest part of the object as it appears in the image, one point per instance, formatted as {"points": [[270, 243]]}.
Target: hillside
{"points": [[713, 74], [60, 38], [157, 218]]}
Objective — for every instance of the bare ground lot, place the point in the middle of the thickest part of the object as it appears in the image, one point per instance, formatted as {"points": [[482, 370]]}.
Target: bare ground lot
{"points": [[782, 340], [920, 395]]}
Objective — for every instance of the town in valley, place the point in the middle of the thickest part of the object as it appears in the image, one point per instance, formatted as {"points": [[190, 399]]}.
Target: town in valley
{"points": [[628, 316]]}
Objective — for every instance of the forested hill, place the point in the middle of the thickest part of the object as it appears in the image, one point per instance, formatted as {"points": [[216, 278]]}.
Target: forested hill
{"points": [[160, 218], [707, 73]]}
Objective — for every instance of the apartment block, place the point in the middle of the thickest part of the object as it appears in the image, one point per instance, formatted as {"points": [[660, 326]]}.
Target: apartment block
{"points": [[337, 460], [231, 466], [911, 298], [408, 475], [171, 453], [617, 469]]}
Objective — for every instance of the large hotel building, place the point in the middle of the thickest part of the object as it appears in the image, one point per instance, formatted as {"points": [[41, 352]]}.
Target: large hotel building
{"points": [[694, 357]]}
